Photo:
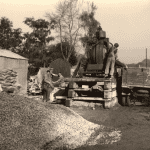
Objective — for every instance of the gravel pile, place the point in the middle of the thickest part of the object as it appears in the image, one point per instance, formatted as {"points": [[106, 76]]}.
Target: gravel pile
{"points": [[30, 124]]}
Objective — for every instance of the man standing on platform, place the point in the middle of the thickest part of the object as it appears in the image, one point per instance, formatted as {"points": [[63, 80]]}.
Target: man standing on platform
{"points": [[111, 58]]}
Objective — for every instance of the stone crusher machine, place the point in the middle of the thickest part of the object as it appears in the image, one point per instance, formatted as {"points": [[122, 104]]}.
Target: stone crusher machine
{"points": [[91, 85]]}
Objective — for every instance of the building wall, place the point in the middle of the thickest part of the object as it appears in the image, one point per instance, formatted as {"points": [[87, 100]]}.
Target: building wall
{"points": [[18, 65]]}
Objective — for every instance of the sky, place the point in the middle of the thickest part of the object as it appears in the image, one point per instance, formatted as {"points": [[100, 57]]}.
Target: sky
{"points": [[126, 22]]}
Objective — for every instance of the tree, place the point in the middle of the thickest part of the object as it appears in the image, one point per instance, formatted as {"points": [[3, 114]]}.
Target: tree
{"points": [[67, 24], [90, 25], [38, 39], [54, 53], [10, 38]]}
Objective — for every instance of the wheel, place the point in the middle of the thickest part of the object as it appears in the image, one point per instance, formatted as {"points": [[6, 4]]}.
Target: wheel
{"points": [[123, 100], [128, 101]]}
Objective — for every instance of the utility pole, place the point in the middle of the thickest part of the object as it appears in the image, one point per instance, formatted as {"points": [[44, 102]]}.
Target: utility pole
{"points": [[146, 57]]}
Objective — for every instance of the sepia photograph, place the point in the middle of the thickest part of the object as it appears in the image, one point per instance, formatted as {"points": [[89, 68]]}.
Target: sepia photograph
{"points": [[75, 75]]}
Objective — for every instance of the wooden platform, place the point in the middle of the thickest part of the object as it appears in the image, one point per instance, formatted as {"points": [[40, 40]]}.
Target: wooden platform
{"points": [[90, 98], [86, 79], [132, 86], [83, 89], [84, 98]]}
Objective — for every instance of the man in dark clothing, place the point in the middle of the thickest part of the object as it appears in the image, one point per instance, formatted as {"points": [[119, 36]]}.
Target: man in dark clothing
{"points": [[47, 85], [60, 80]]}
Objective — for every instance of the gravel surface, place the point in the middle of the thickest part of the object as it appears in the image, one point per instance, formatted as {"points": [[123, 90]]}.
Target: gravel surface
{"points": [[133, 122], [30, 124]]}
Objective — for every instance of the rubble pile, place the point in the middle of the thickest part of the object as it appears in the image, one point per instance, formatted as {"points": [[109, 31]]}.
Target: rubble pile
{"points": [[33, 88], [30, 124], [8, 81]]}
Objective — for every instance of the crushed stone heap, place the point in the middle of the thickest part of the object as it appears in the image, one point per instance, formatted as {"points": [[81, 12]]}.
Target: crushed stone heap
{"points": [[29, 124]]}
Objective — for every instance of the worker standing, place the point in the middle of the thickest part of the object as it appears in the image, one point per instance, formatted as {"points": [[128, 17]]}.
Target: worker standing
{"points": [[47, 85], [112, 54]]}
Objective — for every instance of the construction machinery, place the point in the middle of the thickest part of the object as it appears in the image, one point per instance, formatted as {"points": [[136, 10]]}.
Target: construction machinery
{"points": [[135, 86], [88, 82]]}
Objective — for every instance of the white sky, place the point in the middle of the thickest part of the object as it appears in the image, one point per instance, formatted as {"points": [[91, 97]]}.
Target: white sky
{"points": [[125, 21]]}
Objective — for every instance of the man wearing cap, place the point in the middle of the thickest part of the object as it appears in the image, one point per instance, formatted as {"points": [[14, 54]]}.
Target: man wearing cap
{"points": [[48, 84], [112, 54]]}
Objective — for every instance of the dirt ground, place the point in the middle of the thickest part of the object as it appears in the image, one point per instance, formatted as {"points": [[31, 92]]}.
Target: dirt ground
{"points": [[134, 123]]}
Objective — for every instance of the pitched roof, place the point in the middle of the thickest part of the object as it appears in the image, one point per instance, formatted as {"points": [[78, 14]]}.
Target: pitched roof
{"points": [[9, 54]]}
